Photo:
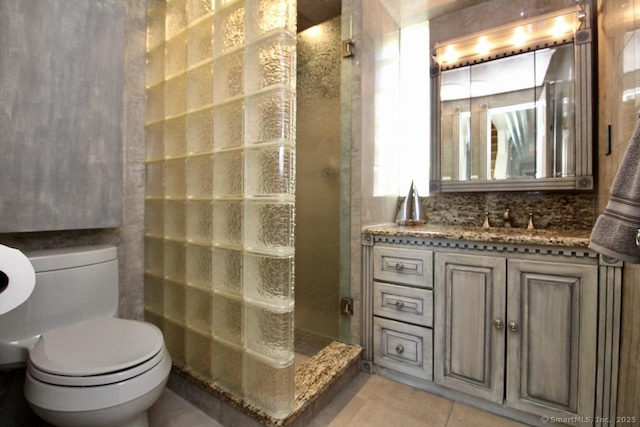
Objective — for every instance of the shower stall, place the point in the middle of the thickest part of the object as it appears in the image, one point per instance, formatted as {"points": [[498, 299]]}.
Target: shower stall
{"points": [[221, 199]]}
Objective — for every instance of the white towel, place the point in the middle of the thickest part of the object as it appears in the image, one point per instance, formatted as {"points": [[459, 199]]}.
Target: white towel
{"points": [[616, 229]]}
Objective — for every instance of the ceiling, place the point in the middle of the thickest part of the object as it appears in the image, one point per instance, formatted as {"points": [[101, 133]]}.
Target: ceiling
{"points": [[314, 12], [405, 12]]}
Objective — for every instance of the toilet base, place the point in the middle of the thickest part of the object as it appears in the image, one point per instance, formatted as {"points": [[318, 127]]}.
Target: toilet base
{"points": [[130, 414]]}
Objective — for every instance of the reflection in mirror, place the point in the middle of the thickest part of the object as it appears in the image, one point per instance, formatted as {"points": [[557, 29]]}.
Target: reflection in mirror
{"points": [[509, 118]]}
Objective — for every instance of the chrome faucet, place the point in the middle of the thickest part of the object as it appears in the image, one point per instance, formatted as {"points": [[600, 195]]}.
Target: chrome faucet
{"points": [[506, 218]]}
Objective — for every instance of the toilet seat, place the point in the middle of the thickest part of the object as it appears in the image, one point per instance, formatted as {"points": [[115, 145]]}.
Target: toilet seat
{"points": [[97, 352]]}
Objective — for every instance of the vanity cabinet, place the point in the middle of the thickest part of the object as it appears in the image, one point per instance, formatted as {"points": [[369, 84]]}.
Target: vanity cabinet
{"points": [[517, 332], [520, 329]]}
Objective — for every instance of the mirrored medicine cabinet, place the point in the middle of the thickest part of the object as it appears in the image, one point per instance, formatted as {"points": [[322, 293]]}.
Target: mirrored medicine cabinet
{"points": [[513, 109]]}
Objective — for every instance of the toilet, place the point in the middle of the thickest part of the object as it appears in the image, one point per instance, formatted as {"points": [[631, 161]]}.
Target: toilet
{"points": [[85, 366]]}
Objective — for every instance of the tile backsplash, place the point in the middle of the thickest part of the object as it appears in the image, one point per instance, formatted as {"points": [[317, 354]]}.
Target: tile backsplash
{"points": [[556, 211]]}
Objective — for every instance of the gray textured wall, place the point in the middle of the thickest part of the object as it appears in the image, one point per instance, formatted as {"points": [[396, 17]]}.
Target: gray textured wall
{"points": [[62, 68], [128, 237]]}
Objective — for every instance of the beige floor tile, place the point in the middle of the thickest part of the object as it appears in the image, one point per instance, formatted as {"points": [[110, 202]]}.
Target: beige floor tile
{"points": [[340, 412], [463, 416], [171, 410]]}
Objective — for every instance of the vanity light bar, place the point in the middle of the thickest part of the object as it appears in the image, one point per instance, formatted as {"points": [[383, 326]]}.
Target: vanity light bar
{"points": [[539, 32]]}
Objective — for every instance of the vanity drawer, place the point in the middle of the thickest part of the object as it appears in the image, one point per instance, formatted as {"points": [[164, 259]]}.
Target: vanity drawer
{"points": [[404, 348], [406, 266], [413, 305]]}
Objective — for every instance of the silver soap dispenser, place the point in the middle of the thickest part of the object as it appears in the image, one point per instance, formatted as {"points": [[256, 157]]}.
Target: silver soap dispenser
{"points": [[411, 211]]}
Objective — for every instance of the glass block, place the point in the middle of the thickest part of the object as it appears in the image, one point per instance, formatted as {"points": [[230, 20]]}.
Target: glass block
{"points": [[199, 176], [175, 216], [176, 17], [200, 131], [154, 105], [270, 116], [174, 261], [269, 387], [174, 301], [156, 24], [154, 318], [176, 55], [174, 339], [175, 136], [269, 279], [199, 265], [154, 217], [154, 179], [155, 65], [175, 96], [270, 171], [227, 319], [196, 9], [154, 256], [174, 178], [227, 173], [269, 15], [200, 42], [154, 293], [200, 86], [154, 141], [228, 125], [199, 219], [227, 223], [271, 61], [269, 333], [229, 25], [226, 272], [226, 366], [227, 79], [199, 310], [198, 353], [269, 226]]}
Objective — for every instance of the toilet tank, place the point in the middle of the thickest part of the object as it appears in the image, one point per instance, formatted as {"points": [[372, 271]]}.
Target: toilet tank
{"points": [[72, 285]]}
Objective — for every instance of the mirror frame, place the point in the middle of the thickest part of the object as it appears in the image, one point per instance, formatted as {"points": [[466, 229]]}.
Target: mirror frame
{"points": [[584, 131]]}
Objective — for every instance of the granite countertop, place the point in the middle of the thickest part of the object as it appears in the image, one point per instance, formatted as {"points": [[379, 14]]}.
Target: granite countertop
{"points": [[566, 238]]}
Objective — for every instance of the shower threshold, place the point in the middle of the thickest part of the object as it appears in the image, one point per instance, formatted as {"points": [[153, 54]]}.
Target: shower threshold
{"points": [[317, 381]]}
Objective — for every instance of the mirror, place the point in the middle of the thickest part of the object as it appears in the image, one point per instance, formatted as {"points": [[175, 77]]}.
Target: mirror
{"points": [[519, 127], [516, 122]]}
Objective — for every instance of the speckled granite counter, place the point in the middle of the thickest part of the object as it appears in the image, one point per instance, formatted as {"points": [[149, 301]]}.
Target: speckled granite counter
{"points": [[577, 239]]}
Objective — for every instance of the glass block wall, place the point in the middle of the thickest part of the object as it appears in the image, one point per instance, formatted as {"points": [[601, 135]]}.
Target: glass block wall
{"points": [[220, 182]]}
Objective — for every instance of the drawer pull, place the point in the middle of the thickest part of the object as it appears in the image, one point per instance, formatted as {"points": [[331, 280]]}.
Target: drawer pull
{"points": [[399, 266], [399, 305], [399, 349], [513, 327]]}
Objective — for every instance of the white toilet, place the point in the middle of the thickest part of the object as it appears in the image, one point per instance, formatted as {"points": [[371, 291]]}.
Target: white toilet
{"points": [[85, 367]]}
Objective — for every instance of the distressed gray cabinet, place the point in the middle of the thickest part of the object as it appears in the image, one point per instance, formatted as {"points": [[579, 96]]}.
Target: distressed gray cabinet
{"points": [[403, 311], [470, 298], [523, 330]]}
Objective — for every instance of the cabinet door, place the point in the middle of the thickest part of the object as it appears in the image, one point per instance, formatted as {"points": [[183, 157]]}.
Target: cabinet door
{"points": [[551, 338], [469, 293]]}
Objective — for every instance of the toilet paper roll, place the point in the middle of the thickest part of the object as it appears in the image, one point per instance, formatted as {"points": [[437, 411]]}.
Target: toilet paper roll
{"points": [[17, 278]]}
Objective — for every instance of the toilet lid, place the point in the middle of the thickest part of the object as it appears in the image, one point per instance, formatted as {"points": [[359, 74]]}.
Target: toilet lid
{"points": [[96, 347]]}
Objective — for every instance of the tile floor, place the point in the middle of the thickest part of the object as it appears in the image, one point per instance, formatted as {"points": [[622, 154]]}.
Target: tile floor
{"points": [[368, 401]]}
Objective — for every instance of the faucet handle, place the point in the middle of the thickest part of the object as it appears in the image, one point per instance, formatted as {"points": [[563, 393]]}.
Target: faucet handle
{"points": [[530, 226], [486, 225]]}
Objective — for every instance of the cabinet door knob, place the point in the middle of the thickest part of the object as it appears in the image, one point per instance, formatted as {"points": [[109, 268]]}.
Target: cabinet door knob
{"points": [[399, 305], [499, 324], [399, 349], [399, 266], [513, 327]]}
